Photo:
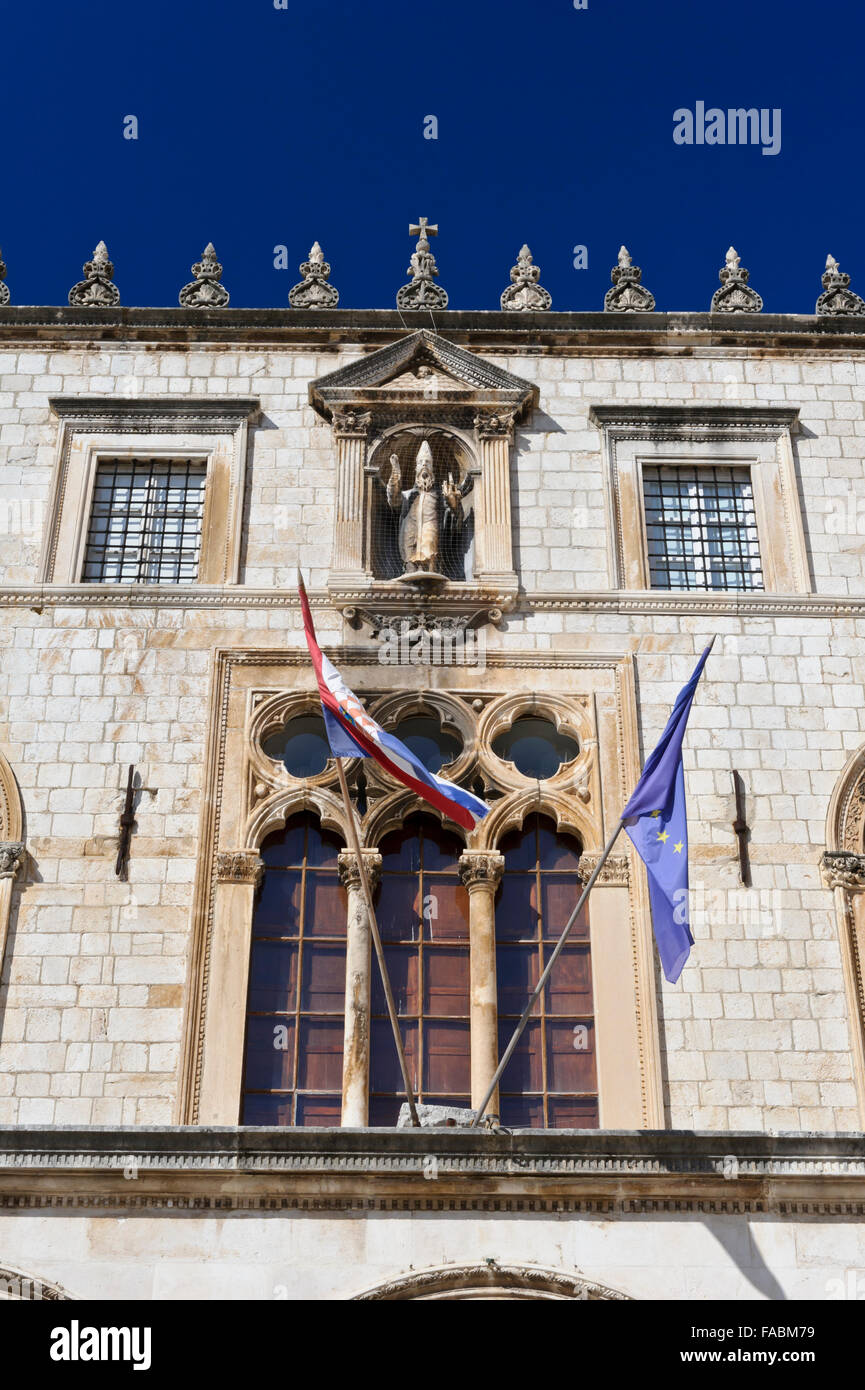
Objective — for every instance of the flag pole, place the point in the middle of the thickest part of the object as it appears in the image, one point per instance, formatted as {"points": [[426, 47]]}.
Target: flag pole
{"points": [[518, 1031], [373, 926]]}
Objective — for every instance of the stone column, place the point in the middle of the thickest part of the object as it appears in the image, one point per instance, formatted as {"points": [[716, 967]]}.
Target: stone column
{"points": [[481, 872], [495, 539], [238, 874], [845, 873], [618, 1047], [12, 855], [355, 1058], [350, 430]]}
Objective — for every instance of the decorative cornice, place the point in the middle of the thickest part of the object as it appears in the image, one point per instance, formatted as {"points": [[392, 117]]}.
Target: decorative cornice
{"points": [[615, 873], [12, 855], [646, 603], [200, 1168], [843, 870], [239, 866], [155, 414], [696, 419]]}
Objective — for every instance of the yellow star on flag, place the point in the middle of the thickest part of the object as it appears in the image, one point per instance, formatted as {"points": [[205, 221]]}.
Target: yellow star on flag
{"points": [[678, 847], [663, 836]]}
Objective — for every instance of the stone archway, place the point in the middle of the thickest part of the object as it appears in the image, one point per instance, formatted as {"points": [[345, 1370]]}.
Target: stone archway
{"points": [[843, 869], [488, 1281], [12, 852]]}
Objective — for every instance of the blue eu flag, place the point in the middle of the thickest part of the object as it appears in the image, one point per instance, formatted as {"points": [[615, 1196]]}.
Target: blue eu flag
{"points": [[656, 821]]}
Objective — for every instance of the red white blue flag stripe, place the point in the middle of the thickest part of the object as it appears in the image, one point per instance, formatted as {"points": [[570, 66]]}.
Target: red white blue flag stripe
{"points": [[353, 734]]}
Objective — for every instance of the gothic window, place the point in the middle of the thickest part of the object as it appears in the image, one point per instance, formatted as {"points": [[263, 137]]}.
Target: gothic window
{"points": [[296, 998], [551, 1081], [423, 916], [145, 522], [701, 528], [421, 514], [424, 735]]}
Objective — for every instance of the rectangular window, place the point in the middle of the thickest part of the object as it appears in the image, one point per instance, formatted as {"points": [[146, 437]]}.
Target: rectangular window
{"points": [[145, 522], [701, 528]]}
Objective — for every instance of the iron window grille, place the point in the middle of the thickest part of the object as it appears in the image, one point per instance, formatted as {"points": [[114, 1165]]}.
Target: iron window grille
{"points": [[701, 527], [145, 522]]}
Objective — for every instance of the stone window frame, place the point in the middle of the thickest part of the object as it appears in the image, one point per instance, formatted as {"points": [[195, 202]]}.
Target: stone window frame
{"points": [[251, 687], [92, 431], [760, 439]]}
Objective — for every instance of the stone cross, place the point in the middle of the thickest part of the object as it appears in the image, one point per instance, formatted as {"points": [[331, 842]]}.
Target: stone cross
{"points": [[422, 229]]}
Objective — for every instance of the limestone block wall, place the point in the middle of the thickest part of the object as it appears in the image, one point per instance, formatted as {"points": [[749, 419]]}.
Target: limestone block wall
{"points": [[91, 995]]}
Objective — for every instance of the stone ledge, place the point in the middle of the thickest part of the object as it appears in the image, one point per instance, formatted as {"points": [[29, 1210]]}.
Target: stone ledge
{"points": [[539, 332]]}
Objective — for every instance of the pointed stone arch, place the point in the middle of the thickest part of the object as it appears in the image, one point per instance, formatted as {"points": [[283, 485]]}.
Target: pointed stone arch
{"points": [[843, 869], [12, 850]]}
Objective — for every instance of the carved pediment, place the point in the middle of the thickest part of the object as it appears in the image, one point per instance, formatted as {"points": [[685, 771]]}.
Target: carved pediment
{"points": [[425, 371]]}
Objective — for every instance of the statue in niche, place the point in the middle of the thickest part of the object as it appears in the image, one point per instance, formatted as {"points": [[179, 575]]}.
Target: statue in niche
{"points": [[432, 527]]}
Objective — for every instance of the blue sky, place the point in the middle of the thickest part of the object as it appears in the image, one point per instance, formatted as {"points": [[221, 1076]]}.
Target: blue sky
{"points": [[261, 127]]}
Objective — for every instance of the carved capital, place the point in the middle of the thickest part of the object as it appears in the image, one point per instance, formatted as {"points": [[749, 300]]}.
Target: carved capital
{"points": [[495, 424], [349, 870], [351, 424], [12, 854], [843, 870], [481, 868], [615, 873], [239, 866]]}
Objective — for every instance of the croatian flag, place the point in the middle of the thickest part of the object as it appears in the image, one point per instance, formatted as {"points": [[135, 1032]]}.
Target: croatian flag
{"points": [[353, 734]]}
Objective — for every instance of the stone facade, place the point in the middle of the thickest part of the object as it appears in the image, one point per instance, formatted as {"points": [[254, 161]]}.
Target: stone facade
{"points": [[101, 977]]}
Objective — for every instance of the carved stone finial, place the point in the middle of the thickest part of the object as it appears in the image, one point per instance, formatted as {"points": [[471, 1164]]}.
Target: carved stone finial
{"points": [[96, 290], [524, 293], [313, 291], [422, 292], [205, 291], [4, 289], [11, 857], [735, 297], [627, 292], [837, 298]]}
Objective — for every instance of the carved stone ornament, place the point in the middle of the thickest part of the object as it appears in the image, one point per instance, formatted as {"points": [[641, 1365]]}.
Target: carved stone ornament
{"points": [[349, 870], [239, 866], [422, 292], [205, 292], [843, 870], [4, 288], [11, 857], [479, 868], [351, 424], [414, 627], [735, 297], [96, 290], [627, 292], [837, 298], [493, 424], [614, 873], [524, 293], [314, 292]]}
